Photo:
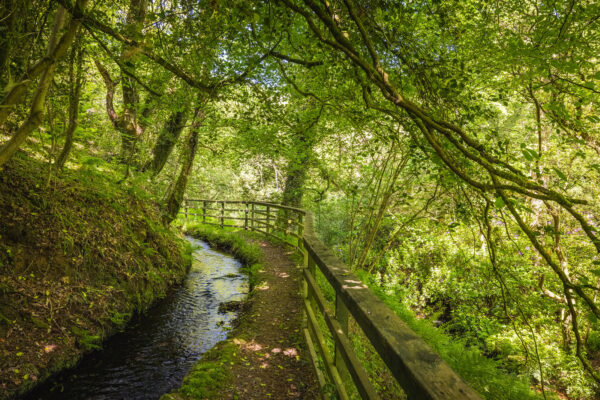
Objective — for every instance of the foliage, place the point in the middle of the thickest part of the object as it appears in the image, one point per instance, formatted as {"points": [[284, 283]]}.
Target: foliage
{"points": [[448, 149], [209, 376]]}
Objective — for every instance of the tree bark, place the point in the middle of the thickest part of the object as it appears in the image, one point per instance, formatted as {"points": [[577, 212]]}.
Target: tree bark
{"points": [[133, 129], [174, 197], [110, 96], [6, 42], [76, 82], [296, 172], [166, 141]]}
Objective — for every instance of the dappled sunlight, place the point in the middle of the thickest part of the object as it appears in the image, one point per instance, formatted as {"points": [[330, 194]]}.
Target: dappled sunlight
{"points": [[49, 348], [262, 287], [353, 284], [264, 357], [362, 287], [352, 281], [291, 352], [248, 346]]}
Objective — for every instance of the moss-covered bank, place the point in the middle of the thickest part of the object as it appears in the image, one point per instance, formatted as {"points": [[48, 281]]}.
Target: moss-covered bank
{"points": [[78, 256]]}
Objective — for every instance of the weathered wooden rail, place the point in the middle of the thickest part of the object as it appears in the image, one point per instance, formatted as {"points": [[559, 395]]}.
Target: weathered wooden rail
{"points": [[416, 367]]}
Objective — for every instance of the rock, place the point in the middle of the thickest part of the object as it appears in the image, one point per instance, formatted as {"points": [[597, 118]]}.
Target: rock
{"points": [[229, 306]]}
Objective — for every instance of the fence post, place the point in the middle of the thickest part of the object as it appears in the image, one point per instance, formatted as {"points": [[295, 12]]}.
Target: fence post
{"points": [[268, 218], [300, 232], [203, 211], [252, 218], [245, 216], [305, 293], [222, 213], [341, 314], [185, 208]]}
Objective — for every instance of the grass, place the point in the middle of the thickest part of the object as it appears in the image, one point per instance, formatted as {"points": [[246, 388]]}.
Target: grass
{"points": [[209, 376]]}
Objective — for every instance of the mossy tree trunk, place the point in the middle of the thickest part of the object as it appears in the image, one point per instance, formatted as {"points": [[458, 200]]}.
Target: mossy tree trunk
{"points": [[7, 24], [75, 84], [166, 141], [176, 191], [296, 174], [297, 170], [133, 128], [129, 125]]}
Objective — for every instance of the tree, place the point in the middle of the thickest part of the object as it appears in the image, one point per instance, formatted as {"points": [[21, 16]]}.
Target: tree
{"points": [[59, 42]]}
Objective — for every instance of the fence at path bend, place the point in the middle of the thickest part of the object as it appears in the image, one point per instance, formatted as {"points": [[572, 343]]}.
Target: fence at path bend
{"points": [[416, 367]]}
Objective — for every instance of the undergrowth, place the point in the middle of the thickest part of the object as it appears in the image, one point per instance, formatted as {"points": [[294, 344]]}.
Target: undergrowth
{"points": [[483, 374], [79, 255]]}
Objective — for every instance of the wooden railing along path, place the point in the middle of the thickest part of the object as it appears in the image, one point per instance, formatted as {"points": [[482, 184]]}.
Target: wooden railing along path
{"points": [[416, 367]]}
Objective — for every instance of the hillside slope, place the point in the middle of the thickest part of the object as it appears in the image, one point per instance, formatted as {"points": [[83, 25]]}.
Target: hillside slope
{"points": [[78, 255]]}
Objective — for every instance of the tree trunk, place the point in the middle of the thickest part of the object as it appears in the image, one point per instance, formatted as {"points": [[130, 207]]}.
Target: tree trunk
{"points": [[76, 82], [132, 128], [296, 172], [7, 25], [166, 141], [174, 197]]}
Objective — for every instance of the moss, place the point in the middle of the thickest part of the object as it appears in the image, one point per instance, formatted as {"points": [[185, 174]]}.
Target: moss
{"points": [[210, 375], [79, 255]]}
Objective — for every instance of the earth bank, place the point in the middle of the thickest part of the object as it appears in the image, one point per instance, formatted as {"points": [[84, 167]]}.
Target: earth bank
{"points": [[79, 255]]}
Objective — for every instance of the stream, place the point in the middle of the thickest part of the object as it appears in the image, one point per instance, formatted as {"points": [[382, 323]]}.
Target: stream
{"points": [[157, 349]]}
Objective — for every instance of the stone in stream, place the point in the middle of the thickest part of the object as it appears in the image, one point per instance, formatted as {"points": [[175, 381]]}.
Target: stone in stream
{"points": [[229, 306]]}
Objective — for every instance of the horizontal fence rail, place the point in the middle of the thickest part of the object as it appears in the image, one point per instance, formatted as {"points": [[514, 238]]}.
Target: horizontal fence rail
{"points": [[420, 372]]}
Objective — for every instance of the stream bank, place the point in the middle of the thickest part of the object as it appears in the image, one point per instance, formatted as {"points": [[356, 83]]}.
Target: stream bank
{"points": [[79, 255], [157, 349]]}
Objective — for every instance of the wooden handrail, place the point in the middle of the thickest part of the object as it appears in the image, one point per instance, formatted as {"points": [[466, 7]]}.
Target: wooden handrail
{"points": [[416, 367]]}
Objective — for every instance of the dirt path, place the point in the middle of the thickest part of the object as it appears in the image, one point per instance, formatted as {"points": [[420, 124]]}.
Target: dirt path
{"points": [[276, 363]]}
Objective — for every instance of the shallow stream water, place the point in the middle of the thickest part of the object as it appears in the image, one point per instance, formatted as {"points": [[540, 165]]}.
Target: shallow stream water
{"points": [[157, 349]]}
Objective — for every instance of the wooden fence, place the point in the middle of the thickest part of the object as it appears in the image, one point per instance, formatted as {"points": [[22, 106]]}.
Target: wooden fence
{"points": [[416, 367]]}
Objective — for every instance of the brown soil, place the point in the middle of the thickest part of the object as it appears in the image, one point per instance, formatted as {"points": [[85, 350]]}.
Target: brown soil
{"points": [[276, 364]]}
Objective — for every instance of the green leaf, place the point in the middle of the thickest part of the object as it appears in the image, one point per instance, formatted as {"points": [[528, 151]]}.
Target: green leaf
{"points": [[560, 174], [499, 203], [530, 155], [592, 118]]}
